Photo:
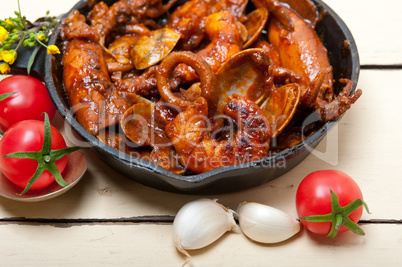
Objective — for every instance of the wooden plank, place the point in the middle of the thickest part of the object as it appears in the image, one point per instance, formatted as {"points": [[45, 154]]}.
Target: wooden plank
{"points": [[376, 40], [374, 27], [151, 245], [365, 145]]}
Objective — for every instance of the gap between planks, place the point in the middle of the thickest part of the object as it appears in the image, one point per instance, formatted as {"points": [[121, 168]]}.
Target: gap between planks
{"points": [[381, 67], [157, 219], [163, 219]]}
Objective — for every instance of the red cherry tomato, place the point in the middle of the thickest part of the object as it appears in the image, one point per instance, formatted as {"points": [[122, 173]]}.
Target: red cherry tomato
{"points": [[30, 101], [28, 136], [313, 197]]}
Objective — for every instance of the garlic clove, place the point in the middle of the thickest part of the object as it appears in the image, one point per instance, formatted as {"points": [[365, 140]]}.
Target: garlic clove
{"points": [[200, 223], [266, 224]]}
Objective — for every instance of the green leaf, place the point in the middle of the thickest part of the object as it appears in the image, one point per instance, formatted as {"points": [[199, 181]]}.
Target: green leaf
{"points": [[47, 142], [348, 223], [336, 224], [35, 155], [366, 207], [335, 202], [318, 218], [351, 207], [60, 153], [52, 168], [32, 59], [39, 171], [4, 96]]}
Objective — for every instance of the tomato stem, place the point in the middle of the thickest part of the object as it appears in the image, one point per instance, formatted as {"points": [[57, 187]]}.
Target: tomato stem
{"points": [[339, 216], [4, 96], [46, 158]]}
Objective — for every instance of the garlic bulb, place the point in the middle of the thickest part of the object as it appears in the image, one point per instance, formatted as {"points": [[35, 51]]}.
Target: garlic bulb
{"points": [[266, 224], [200, 223]]}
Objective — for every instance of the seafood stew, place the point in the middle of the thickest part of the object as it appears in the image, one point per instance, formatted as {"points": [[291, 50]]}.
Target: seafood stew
{"points": [[146, 111]]}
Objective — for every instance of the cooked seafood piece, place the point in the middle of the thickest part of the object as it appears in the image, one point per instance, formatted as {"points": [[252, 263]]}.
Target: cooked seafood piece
{"points": [[85, 80], [153, 47], [276, 9], [302, 51], [235, 7], [254, 24], [280, 106], [143, 84], [246, 73], [120, 142], [188, 19], [96, 103], [102, 20], [74, 27], [225, 41], [203, 70], [306, 9], [202, 86], [144, 125], [118, 54], [249, 73], [193, 140]]}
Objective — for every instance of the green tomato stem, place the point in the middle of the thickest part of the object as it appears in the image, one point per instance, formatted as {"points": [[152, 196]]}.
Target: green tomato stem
{"points": [[339, 216], [4, 96], [46, 158]]}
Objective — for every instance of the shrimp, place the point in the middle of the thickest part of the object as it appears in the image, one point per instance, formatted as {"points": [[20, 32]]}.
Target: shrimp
{"points": [[200, 152]]}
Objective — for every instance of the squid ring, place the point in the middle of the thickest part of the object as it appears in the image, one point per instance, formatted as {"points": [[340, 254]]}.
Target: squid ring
{"points": [[203, 70]]}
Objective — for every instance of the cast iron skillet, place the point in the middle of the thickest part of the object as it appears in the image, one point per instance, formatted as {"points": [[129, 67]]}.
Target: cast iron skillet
{"points": [[344, 59]]}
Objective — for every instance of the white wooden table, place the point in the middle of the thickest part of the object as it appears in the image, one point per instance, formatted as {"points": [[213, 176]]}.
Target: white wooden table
{"points": [[110, 220]]}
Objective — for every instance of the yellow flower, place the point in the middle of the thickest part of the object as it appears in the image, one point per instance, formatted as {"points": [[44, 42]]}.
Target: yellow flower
{"points": [[9, 56], [9, 22], [3, 34], [41, 37], [4, 68], [53, 49]]}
